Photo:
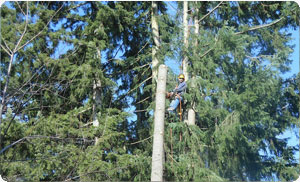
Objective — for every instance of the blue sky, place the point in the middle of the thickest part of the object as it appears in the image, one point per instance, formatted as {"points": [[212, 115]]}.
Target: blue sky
{"points": [[292, 134]]}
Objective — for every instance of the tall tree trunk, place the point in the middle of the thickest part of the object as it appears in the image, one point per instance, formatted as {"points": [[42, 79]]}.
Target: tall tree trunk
{"points": [[191, 111], [185, 40], [156, 42], [158, 136], [96, 98]]}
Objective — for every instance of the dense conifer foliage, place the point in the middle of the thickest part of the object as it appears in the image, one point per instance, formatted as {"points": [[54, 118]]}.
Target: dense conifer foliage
{"points": [[54, 53]]}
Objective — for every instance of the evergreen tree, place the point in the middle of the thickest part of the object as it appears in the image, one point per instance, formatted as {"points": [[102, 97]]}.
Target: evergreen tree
{"points": [[240, 98], [51, 97]]}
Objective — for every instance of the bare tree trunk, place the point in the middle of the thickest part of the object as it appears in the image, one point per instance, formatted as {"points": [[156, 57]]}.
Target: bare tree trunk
{"points": [[156, 41], [158, 136], [191, 112], [185, 42], [96, 98], [185, 39]]}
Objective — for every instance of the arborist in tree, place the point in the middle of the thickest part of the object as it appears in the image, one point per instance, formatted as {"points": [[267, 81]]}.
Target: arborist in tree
{"points": [[178, 92]]}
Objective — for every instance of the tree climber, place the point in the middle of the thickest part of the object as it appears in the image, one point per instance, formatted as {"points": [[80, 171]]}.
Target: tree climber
{"points": [[178, 91]]}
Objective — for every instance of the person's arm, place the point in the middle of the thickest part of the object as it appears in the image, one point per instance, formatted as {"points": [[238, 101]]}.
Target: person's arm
{"points": [[181, 87]]}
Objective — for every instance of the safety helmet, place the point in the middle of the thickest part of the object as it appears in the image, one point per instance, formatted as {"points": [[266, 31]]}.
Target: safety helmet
{"points": [[181, 76]]}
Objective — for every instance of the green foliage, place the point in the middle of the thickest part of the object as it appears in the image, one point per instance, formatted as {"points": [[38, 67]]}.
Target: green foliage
{"points": [[242, 103]]}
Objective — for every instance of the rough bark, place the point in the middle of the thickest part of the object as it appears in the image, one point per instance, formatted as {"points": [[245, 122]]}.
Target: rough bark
{"points": [[158, 136]]}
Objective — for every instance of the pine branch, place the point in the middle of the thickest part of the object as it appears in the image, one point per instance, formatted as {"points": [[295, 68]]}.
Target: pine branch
{"points": [[260, 26], [39, 137], [211, 11]]}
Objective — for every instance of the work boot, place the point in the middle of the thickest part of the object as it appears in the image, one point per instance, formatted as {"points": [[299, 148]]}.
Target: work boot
{"points": [[170, 109]]}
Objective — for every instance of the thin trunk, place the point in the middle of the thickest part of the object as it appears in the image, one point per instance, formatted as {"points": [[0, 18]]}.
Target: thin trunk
{"points": [[155, 34], [158, 136], [191, 112], [185, 39], [96, 98], [185, 42]]}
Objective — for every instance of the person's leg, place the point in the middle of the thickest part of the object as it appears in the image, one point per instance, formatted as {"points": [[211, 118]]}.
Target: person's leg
{"points": [[174, 105]]}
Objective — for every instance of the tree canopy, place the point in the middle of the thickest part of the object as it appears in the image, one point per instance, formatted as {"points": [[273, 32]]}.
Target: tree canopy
{"points": [[53, 53]]}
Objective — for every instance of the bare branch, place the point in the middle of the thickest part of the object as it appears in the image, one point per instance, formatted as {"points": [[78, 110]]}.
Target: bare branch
{"points": [[216, 40], [7, 51], [260, 26], [139, 85], [26, 24], [142, 48], [143, 100], [7, 47], [40, 31], [16, 142], [21, 8], [206, 53], [211, 11], [141, 140], [78, 5], [41, 136]]}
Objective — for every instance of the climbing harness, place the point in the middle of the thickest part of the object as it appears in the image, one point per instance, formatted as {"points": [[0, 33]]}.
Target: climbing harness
{"points": [[179, 109]]}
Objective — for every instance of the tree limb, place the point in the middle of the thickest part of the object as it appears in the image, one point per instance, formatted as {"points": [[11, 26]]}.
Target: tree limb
{"points": [[7, 51], [26, 24], [139, 84], [260, 26], [40, 31], [16, 142], [211, 11], [41, 136], [21, 8]]}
